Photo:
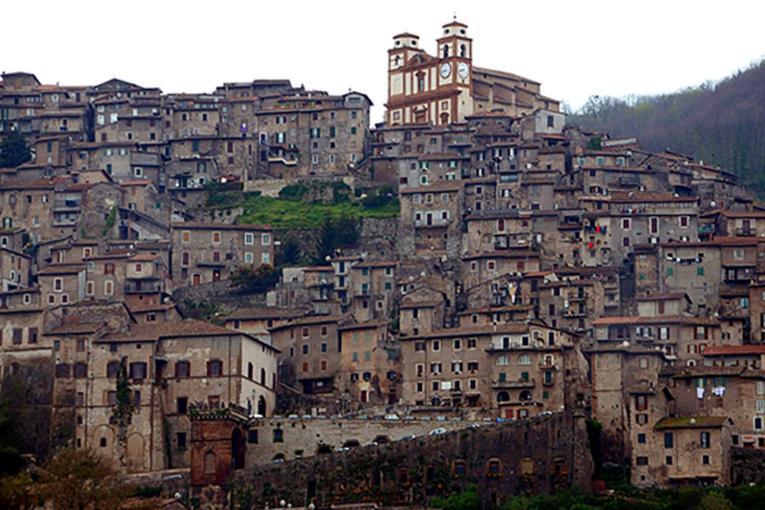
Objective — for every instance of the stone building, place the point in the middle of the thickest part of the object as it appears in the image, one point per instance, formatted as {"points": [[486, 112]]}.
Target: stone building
{"points": [[205, 253], [168, 366]]}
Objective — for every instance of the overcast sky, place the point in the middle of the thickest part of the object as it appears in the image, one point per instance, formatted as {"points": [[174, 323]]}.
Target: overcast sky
{"points": [[574, 48]]}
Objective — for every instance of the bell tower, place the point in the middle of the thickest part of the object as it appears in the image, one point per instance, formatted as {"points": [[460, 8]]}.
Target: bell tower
{"points": [[455, 54], [454, 42]]}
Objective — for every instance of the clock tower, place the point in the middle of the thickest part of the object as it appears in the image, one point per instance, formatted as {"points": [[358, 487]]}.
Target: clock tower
{"points": [[455, 51], [430, 89]]}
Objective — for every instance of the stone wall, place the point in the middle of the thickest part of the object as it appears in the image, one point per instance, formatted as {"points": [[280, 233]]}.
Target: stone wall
{"points": [[538, 455], [747, 465], [222, 293], [379, 237], [306, 437]]}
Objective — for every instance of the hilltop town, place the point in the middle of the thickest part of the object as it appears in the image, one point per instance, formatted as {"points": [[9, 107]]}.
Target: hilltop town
{"points": [[232, 284]]}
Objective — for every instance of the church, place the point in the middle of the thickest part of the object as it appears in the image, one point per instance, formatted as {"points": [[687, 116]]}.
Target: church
{"points": [[447, 87]]}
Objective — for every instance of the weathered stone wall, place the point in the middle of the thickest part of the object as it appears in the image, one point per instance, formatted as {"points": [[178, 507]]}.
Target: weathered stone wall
{"points": [[27, 388], [538, 455], [747, 466], [379, 237], [222, 293], [306, 437]]}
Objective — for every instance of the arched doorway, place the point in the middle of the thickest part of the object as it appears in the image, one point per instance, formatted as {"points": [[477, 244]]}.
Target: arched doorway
{"points": [[237, 449], [262, 406]]}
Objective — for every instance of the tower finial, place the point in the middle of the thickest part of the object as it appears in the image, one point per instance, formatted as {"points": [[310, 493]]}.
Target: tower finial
{"points": [[454, 16]]}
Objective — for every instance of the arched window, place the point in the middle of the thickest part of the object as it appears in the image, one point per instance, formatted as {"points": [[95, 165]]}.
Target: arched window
{"points": [[463, 50], [262, 406], [524, 359], [263, 376], [525, 396], [502, 361], [503, 396], [494, 467], [446, 51], [250, 371]]}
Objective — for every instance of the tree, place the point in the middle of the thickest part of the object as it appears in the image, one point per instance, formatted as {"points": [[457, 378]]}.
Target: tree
{"points": [[78, 479], [714, 501], [466, 500], [336, 233], [291, 252], [122, 411], [256, 280], [14, 151], [11, 461]]}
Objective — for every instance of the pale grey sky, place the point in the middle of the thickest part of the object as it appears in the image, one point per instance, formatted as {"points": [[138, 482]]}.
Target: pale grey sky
{"points": [[575, 48]]}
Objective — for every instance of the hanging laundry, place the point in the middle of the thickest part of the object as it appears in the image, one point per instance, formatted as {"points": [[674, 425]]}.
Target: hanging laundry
{"points": [[700, 393]]}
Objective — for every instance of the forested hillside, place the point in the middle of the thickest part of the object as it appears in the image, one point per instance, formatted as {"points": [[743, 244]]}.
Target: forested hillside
{"points": [[721, 123]]}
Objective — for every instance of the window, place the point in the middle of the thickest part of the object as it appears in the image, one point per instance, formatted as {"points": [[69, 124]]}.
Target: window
{"points": [[626, 222], [668, 440], [80, 370], [112, 369], [705, 439], [641, 461], [278, 436], [182, 405], [249, 238], [705, 460], [668, 460], [138, 370], [214, 368], [182, 369], [641, 438]]}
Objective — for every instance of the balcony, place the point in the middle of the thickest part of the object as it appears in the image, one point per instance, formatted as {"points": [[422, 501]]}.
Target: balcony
{"points": [[513, 385], [746, 231], [139, 287]]}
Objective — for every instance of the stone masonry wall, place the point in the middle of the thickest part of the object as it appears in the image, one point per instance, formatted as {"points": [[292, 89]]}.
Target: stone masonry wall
{"points": [[307, 437], [747, 466], [532, 456]]}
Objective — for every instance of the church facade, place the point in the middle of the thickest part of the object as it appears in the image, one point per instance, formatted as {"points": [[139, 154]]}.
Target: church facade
{"points": [[446, 87]]}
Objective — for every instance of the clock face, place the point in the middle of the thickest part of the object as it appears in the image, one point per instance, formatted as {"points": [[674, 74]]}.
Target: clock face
{"points": [[462, 70], [446, 69]]}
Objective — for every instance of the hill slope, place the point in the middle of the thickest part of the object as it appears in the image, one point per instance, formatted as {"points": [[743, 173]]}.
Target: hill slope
{"points": [[722, 124]]}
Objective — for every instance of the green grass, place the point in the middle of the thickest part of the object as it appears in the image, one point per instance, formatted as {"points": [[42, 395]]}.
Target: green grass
{"points": [[282, 213]]}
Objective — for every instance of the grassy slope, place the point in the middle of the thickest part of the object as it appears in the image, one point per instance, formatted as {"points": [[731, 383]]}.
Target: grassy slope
{"points": [[286, 214]]}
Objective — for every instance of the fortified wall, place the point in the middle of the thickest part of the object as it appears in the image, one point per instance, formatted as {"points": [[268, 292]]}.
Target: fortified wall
{"points": [[542, 454], [274, 439]]}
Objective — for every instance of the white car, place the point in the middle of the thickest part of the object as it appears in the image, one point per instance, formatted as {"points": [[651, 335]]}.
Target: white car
{"points": [[437, 432]]}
